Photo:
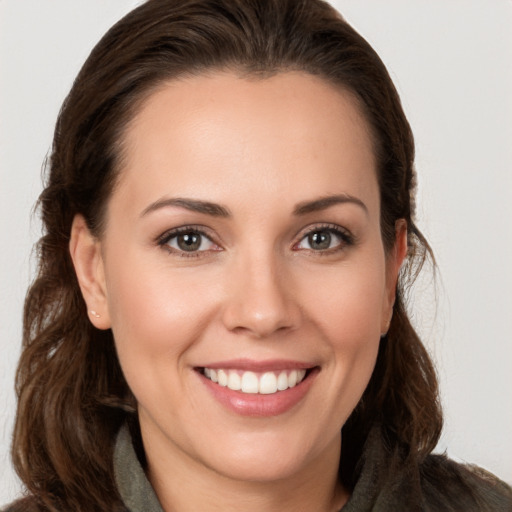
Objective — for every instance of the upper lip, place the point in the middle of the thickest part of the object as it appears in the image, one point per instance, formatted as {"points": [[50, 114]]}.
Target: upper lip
{"points": [[260, 366]]}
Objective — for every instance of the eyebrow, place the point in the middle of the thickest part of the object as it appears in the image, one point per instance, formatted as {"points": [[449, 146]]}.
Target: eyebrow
{"points": [[216, 210], [194, 205], [323, 203]]}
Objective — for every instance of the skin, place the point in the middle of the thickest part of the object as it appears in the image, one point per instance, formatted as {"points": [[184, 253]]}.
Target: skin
{"points": [[256, 289]]}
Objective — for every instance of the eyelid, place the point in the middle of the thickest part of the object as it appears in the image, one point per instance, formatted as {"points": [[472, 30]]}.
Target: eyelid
{"points": [[163, 239], [323, 225], [347, 237]]}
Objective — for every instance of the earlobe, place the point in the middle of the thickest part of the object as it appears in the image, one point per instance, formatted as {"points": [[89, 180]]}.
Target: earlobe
{"points": [[85, 250]]}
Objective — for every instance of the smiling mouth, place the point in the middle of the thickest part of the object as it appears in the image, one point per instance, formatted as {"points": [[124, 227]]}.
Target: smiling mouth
{"points": [[262, 383]]}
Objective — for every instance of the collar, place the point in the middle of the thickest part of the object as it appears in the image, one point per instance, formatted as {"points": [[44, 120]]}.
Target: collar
{"points": [[133, 486], [372, 493]]}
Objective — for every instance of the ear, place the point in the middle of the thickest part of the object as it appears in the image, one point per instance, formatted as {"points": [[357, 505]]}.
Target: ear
{"points": [[85, 250], [394, 262]]}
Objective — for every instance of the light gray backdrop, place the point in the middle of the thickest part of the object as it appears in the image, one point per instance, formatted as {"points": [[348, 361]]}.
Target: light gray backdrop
{"points": [[452, 63]]}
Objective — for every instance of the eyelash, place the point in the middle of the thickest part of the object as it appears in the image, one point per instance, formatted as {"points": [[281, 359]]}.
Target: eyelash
{"points": [[345, 237], [164, 239]]}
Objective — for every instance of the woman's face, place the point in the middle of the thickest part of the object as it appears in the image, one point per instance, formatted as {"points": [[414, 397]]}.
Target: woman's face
{"points": [[243, 246]]}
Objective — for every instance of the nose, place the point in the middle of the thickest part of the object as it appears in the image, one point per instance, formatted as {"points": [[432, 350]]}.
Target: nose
{"points": [[260, 299]]}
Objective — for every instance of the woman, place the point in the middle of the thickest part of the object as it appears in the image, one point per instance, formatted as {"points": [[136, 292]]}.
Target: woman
{"points": [[229, 205]]}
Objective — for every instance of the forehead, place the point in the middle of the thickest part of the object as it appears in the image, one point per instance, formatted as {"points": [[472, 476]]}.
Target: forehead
{"points": [[291, 131]]}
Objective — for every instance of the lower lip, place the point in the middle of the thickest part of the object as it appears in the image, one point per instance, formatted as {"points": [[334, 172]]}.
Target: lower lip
{"points": [[257, 405]]}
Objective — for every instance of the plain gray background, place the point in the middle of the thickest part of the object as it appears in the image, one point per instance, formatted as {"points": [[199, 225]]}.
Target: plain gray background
{"points": [[452, 63]]}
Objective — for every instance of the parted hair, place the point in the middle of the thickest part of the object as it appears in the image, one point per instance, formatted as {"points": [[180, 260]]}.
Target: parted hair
{"points": [[72, 395]]}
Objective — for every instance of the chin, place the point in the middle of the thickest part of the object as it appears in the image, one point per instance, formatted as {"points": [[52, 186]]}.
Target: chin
{"points": [[266, 457], [260, 469]]}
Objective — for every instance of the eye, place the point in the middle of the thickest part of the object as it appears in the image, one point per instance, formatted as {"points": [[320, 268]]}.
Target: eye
{"points": [[324, 239], [187, 240]]}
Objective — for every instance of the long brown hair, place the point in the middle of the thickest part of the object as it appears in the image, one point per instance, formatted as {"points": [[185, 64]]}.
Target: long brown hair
{"points": [[72, 396]]}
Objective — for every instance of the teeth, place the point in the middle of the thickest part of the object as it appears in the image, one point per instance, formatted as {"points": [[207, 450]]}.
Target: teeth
{"points": [[292, 379], [223, 378], [234, 381], [282, 381], [266, 383], [249, 382]]}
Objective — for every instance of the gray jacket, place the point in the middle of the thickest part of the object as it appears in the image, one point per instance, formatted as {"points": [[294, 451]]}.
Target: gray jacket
{"points": [[385, 484], [416, 489]]}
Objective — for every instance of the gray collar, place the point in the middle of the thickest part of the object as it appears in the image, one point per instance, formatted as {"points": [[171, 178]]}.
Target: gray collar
{"points": [[138, 495], [372, 493], [134, 488]]}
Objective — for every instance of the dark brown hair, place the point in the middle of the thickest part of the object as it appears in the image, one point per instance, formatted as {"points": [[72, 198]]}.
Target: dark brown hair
{"points": [[72, 396]]}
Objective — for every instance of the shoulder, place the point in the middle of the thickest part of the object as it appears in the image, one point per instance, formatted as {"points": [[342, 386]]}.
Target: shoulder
{"points": [[450, 486]]}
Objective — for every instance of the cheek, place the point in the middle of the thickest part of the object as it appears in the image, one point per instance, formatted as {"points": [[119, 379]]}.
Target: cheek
{"points": [[155, 314], [347, 310], [156, 318], [348, 303]]}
